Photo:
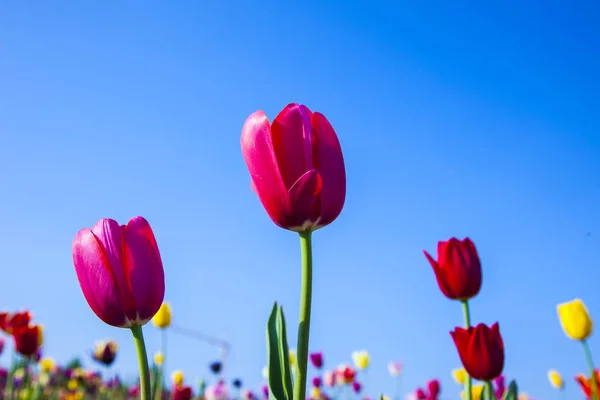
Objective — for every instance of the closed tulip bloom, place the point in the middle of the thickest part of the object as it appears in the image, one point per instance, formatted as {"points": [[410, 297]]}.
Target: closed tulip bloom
{"points": [[420, 394], [296, 166], [459, 375], [329, 378], [344, 374], [481, 350], [159, 358], [555, 379], [457, 269], [575, 319], [47, 365], [120, 271], [182, 393], [360, 359], [105, 352], [317, 360], [395, 368], [586, 383], [317, 382], [177, 378], [356, 386], [433, 387], [9, 321], [162, 318], [28, 339]]}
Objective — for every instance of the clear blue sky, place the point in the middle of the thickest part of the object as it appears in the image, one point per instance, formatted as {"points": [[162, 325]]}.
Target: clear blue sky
{"points": [[455, 118]]}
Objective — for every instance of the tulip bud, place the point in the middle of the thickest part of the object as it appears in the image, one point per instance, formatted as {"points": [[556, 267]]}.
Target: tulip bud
{"points": [[317, 360], [120, 271], [296, 166], [575, 319], [481, 351], [162, 318], [360, 359], [555, 379]]}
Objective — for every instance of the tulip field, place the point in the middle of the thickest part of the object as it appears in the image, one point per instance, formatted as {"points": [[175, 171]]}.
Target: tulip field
{"points": [[297, 171]]}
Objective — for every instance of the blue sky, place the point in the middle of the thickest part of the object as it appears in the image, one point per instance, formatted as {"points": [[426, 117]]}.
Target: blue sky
{"points": [[455, 118]]}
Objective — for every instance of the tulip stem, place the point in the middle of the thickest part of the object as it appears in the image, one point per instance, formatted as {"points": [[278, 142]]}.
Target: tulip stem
{"points": [[467, 315], [489, 391], [304, 324], [140, 346], [590, 362]]}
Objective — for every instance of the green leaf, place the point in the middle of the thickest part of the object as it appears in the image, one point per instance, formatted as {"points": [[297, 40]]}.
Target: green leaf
{"points": [[280, 376], [512, 393]]}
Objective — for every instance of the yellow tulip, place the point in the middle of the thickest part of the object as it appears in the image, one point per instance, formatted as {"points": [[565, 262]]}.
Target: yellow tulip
{"points": [[459, 375], [162, 318], [316, 393], [293, 359], [575, 320], [159, 358], [73, 384], [177, 378], [47, 364], [360, 359], [476, 392], [40, 335], [555, 379], [522, 396]]}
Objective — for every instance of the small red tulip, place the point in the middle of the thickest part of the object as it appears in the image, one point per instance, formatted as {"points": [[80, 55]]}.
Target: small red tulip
{"points": [[458, 269], [9, 322], [296, 166], [28, 339], [420, 394], [481, 350], [586, 383], [433, 388], [182, 393]]}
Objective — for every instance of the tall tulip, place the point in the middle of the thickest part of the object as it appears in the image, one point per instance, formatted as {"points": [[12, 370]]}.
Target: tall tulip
{"points": [[577, 324], [481, 351], [458, 274], [121, 275], [297, 171]]}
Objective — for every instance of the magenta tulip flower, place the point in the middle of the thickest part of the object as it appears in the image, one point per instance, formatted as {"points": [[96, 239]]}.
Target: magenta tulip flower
{"points": [[316, 359], [120, 271], [296, 166]]}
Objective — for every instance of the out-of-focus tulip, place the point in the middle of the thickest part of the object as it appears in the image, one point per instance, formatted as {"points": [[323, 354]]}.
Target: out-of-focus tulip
{"points": [[292, 357], [215, 367], [395, 368], [316, 360], [476, 392], [317, 382], [182, 393], [28, 339], [177, 377], [265, 391], [457, 269], [159, 358], [296, 166], [555, 379], [459, 375], [72, 384], [361, 359], [162, 318], [315, 393], [356, 386], [575, 319], [481, 350], [522, 396], [247, 394], [433, 387], [329, 378], [420, 394], [1, 345], [47, 365], [344, 374], [120, 271], [237, 383], [216, 392], [265, 372], [8, 321], [500, 387], [105, 352], [586, 383]]}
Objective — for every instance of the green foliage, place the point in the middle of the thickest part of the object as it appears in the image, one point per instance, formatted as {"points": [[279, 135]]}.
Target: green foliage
{"points": [[512, 392], [278, 355]]}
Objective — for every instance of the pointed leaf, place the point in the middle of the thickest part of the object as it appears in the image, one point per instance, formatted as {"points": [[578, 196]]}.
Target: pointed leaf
{"points": [[284, 352], [513, 391]]}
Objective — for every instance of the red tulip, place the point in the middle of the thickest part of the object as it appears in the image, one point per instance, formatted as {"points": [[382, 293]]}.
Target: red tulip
{"points": [[458, 269], [9, 322], [433, 388], [296, 166], [120, 271], [182, 393], [28, 339], [481, 351], [420, 394], [586, 383]]}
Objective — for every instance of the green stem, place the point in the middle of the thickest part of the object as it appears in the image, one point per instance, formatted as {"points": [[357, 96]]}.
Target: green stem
{"points": [[489, 391], [140, 346], [161, 368], [588, 357], [467, 315], [304, 325]]}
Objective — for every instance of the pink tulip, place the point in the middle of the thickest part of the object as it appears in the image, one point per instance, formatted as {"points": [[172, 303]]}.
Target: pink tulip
{"points": [[296, 166], [120, 271]]}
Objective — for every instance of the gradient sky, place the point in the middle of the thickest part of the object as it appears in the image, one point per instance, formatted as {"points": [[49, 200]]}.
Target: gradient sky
{"points": [[455, 118]]}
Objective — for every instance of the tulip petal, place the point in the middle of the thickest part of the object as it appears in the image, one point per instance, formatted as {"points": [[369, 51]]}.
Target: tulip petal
{"points": [[329, 161], [110, 235], [304, 199], [144, 268], [440, 276], [292, 141], [96, 279], [259, 155]]}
